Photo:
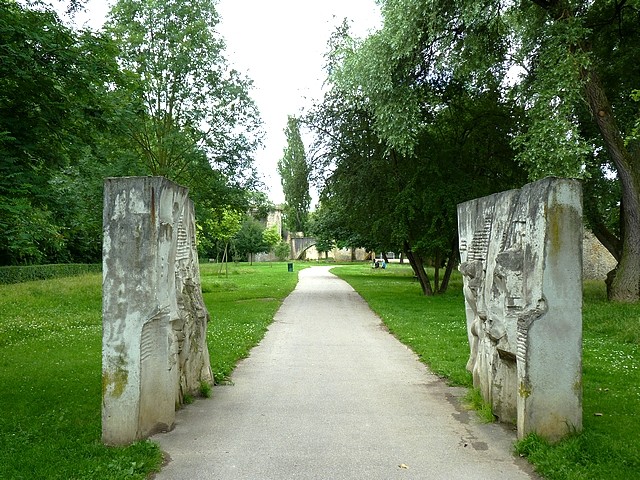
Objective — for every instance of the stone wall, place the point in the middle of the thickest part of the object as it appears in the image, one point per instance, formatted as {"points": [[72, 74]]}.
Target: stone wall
{"points": [[521, 253], [154, 349], [597, 260]]}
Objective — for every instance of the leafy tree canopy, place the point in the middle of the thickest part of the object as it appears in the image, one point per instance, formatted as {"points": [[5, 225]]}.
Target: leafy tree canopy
{"points": [[153, 95], [271, 237], [250, 239], [564, 72], [57, 106], [394, 180], [191, 107]]}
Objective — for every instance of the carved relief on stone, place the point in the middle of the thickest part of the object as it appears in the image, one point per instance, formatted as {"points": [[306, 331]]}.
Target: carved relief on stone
{"points": [[509, 270], [191, 329], [154, 347]]}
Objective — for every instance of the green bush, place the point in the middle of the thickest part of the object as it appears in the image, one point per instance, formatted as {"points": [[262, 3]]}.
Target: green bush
{"points": [[282, 251], [19, 274]]}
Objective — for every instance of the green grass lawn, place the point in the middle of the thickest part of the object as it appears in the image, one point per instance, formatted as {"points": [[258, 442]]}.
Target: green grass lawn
{"points": [[50, 368], [50, 387], [50, 350], [609, 447]]}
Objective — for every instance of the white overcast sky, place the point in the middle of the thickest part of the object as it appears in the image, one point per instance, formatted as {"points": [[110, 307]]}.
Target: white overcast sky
{"points": [[280, 45]]}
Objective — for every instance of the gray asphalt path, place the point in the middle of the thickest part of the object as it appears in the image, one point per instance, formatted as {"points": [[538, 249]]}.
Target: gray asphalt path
{"points": [[329, 394]]}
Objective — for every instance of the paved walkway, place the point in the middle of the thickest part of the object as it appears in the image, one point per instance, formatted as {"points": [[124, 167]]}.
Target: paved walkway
{"points": [[329, 394]]}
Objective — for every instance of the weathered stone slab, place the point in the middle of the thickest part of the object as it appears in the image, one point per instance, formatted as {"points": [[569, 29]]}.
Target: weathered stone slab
{"points": [[190, 328], [154, 320], [521, 253]]}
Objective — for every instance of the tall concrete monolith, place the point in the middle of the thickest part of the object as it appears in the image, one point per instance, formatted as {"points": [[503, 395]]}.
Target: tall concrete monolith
{"points": [[154, 320], [521, 260]]}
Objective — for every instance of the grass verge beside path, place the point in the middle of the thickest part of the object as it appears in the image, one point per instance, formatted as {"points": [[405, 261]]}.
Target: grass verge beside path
{"points": [[434, 328], [241, 306], [50, 368], [50, 385]]}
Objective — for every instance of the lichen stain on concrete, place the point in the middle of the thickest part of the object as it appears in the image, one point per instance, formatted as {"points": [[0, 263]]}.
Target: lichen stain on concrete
{"points": [[524, 391], [115, 382], [555, 215]]}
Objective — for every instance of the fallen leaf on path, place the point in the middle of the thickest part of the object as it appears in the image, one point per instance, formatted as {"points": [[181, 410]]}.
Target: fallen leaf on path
{"points": [[402, 465]]}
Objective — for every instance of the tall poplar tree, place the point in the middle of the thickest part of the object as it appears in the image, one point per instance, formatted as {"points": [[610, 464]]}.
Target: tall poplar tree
{"points": [[294, 174]]}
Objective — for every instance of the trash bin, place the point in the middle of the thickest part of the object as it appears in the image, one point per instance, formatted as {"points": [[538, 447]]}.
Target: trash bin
{"points": [[290, 267]]}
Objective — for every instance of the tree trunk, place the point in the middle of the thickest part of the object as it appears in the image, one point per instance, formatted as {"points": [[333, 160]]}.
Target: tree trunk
{"points": [[436, 271], [418, 268], [624, 282], [451, 264], [625, 285], [610, 241]]}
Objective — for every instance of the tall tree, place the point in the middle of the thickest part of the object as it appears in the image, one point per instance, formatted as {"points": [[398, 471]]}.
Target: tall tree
{"points": [[57, 105], [397, 172], [294, 175], [570, 66], [192, 112], [582, 66]]}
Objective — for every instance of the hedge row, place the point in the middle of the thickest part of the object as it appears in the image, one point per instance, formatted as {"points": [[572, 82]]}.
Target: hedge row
{"points": [[44, 272]]}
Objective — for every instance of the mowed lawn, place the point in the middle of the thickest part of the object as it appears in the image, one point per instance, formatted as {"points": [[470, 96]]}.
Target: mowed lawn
{"points": [[50, 368], [50, 385], [609, 447], [50, 351]]}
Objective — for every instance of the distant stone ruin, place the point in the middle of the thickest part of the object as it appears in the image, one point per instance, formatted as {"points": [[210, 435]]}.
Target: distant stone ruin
{"points": [[154, 349], [521, 253]]}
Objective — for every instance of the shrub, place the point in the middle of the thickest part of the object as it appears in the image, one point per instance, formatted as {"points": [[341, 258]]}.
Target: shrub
{"points": [[282, 251], [19, 274]]}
